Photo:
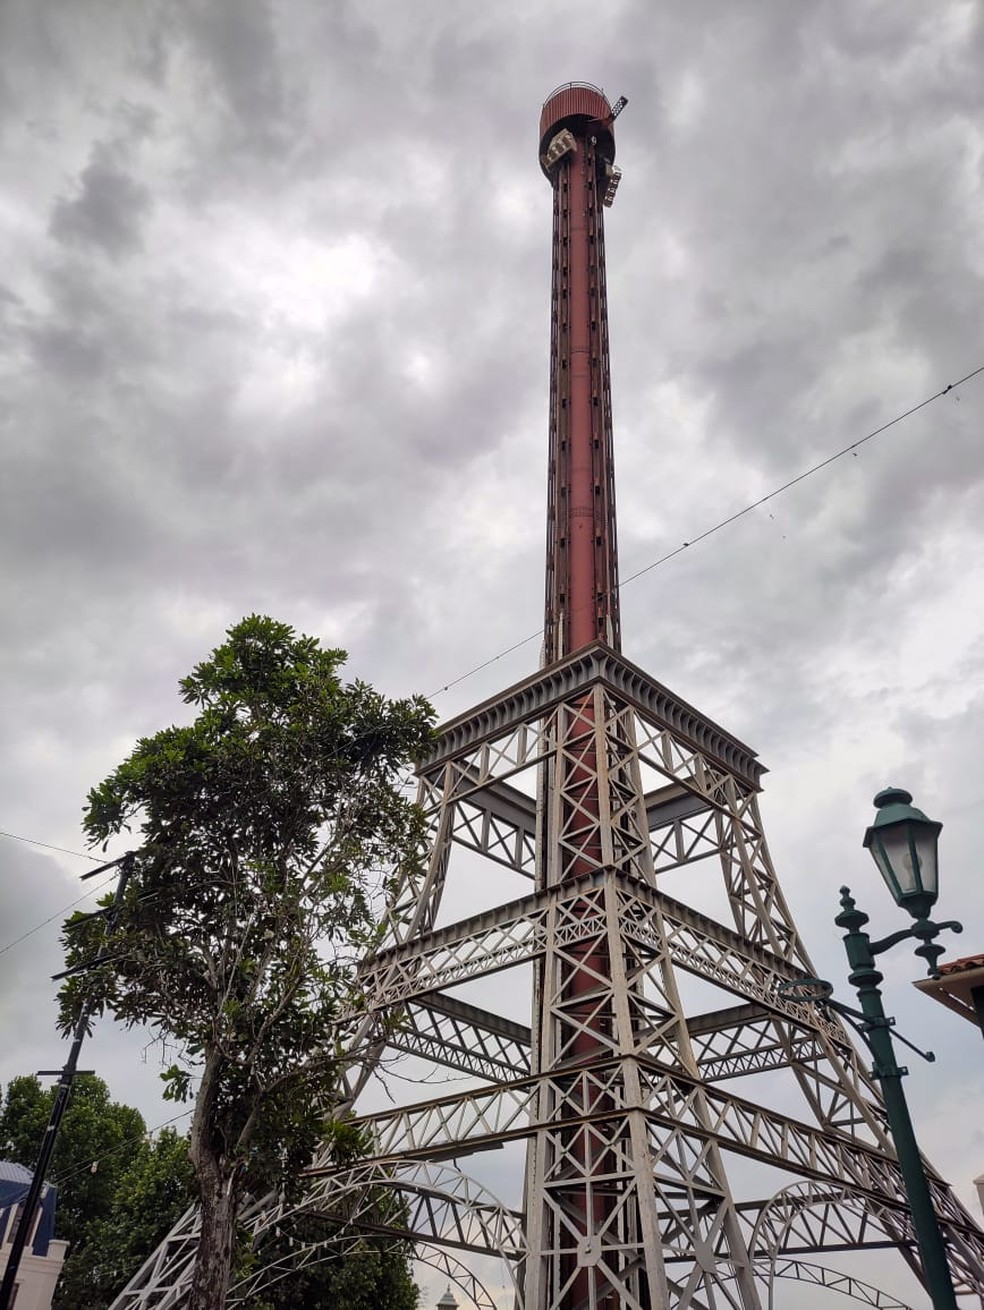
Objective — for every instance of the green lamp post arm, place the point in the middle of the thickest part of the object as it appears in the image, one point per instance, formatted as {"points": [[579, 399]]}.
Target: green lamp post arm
{"points": [[924, 931], [893, 939]]}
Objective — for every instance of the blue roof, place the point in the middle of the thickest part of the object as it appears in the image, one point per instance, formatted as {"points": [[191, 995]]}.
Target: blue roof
{"points": [[14, 1173], [15, 1181]]}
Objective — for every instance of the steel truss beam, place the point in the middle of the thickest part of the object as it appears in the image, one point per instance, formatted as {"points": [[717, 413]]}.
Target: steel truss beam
{"points": [[447, 1195], [516, 933], [622, 1097], [489, 1117], [727, 1044]]}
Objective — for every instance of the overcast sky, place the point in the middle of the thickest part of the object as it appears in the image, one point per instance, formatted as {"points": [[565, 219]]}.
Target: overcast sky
{"points": [[274, 293]]}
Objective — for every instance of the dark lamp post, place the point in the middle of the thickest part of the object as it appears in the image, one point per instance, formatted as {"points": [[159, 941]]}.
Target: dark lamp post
{"points": [[903, 843]]}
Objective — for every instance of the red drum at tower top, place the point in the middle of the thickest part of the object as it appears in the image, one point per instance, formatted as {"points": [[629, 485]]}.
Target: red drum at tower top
{"points": [[578, 102]]}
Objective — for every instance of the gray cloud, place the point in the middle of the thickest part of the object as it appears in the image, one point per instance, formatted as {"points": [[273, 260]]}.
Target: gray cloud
{"points": [[274, 336], [108, 210], [34, 889], [238, 48]]}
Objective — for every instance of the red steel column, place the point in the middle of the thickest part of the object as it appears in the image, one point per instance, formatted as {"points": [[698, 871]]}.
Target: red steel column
{"points": [[577, 152], [584, 585]]}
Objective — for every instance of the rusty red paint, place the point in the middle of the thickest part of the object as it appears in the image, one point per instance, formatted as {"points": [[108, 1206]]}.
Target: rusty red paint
{"points": [[576, 100], [582, 572]]}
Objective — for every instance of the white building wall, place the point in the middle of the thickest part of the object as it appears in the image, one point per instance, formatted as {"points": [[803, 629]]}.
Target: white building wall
{"points": [[37, 1275]]}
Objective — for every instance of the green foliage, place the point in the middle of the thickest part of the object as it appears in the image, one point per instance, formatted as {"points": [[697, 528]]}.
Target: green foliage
{"points": [[153, 1191], [373, 1274], [116, 1216], [26, 1107], [269, 827], [94, 1129], [106, 1199]]}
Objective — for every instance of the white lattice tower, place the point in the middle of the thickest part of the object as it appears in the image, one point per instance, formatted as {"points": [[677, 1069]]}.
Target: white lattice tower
{"points": [[652, 1121]]}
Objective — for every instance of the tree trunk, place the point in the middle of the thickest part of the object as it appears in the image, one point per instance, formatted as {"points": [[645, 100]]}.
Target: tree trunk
{"points": [[218, 1182], [213, 1261]]}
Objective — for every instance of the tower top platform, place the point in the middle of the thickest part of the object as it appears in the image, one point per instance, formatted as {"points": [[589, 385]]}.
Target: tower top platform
{"points": [[578, 106]]}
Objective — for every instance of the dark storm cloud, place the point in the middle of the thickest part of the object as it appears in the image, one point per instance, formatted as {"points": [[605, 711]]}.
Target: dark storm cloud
{"points": [[66, 351], [733, 337], [776, 299], [108, 210]]}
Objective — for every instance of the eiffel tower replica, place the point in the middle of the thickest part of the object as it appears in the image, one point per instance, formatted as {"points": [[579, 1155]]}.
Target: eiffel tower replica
{"points": [[692, 1133]]}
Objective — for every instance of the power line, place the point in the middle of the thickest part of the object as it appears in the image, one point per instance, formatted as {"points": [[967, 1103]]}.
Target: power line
{"points": [[733, 518], [800, 477], [485, 663], [91, 891], [58, 915], [147, 896], [127, 1142], [31, 841]]}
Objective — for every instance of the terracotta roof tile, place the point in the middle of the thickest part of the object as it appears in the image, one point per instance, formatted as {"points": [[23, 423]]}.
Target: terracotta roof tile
{"points": [[963, 964]]}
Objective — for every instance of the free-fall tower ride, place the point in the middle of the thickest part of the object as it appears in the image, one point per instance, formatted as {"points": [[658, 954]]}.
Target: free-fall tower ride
{"points": [[692, 1132]]}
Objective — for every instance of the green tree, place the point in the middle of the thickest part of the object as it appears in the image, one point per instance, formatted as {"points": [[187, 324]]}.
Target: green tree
{"points": [[120, 1193], [369, 1273], [153, 1190], [266, 826], [99, 1142]]}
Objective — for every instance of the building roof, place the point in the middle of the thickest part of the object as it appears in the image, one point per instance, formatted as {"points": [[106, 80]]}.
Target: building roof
{"points": [[963, 964], [956, 985], [15, 1183], [14, 1173]]}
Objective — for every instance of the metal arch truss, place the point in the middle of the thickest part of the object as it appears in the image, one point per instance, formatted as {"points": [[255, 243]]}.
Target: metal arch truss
{"points": [[597, 785], [837, 1281], [442, 1209], [434, 1205], [304, 1256]]}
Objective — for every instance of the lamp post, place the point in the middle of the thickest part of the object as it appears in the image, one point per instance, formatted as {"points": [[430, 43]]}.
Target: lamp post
{"points": [[903, 844]]}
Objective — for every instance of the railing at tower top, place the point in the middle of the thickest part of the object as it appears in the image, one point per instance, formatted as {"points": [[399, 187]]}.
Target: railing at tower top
{"points": [[571, 86]]}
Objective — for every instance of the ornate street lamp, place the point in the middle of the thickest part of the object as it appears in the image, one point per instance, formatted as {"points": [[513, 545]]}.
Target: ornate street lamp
{"points": [[903, 844]]}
